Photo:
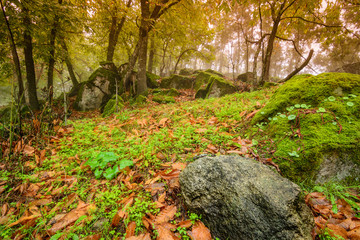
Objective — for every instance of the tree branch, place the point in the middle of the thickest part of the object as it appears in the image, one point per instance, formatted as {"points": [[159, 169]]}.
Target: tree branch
{"points": [[293, 73], [313, 22]]}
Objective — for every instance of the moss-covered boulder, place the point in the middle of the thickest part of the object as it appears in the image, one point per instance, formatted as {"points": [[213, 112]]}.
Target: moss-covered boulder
{"points": [[151, 80], [177, 82], [167, 92], [111, 106], [215, 73], [95, 93], [201, 80], [186, 72], [314, 122], [163, 99], [216, 87]]}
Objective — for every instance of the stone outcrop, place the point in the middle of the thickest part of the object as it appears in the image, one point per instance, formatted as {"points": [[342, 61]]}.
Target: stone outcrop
{"points": [[177, 82], [214, 86], [240, 198], [94, 93], [353, 68]]}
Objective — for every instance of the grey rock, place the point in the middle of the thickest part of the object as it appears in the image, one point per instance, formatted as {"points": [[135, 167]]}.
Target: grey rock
{"points": [[337, 167], [240, 198], [353, 68]]}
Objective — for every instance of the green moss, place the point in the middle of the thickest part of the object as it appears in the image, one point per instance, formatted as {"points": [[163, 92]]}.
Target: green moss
{"points": [[140, 99], [214, 72], [269, 84], [217, 87], [202, 79], [167, 92], [177, 81], [151, 80], [110, 107], [311, 90], [312, 134], [163, 99]]}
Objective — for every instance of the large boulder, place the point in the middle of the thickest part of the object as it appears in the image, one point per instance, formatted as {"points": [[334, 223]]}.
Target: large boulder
{"points": [[315, 123], [248, 77], [353, 68], [216, 87], [95, 93], [177, 82], [240, 198], [201, 80]]}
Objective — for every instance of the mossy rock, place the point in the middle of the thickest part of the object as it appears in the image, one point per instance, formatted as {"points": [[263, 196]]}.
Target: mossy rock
{"points": [[202, 79], [167, 92], [177, 82], [151, 80], [269, 84], [140, 99], [186, 72], [94, 93], [110, 107], [217, 87], [215, 73], [163, 99], [315, 123]]}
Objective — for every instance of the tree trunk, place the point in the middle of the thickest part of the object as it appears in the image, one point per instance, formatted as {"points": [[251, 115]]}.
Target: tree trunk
{"points": [[293, 73], [21, 97], [141, 83], [29, 63], [68, 63], [151, 54], [115, 30], [265, 75], [51, 63]]}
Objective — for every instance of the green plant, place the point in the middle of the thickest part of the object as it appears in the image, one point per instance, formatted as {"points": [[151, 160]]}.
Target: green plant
{"points": [[142, 205], [194, 217], [102, 160], [183, 233], [334, 191], [325, 235]]}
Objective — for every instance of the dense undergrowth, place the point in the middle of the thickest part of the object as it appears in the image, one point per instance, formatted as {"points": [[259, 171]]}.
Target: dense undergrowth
{"points": [[117, 176]]}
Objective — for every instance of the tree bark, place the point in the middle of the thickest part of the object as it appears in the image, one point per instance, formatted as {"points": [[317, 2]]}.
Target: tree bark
{"points": [[265, 75], [115, 30], [21, 96], [151, 54], [293, 73], [29, 63]]}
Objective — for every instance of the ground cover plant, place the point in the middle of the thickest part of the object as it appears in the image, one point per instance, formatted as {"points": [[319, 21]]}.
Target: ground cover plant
{"points": [[116, 177]]}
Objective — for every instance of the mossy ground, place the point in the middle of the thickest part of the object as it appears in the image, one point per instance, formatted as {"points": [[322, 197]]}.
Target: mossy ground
{"points": [[152, 135]]}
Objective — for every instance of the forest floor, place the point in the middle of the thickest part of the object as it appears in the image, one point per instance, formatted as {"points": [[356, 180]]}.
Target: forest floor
{"points": [[117, 177]]}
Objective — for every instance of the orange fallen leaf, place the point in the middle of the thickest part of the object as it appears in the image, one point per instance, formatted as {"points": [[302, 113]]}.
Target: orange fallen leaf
{"points": [[71, 217], [122, 213], [354, 234], [200, 231], [165, 234], [166, 214], [28, 150], [179, 166], [172, 174], [140, 237], [4, 209], [201, 130], [25, 217], [250, 115], [163, 122], [130, 230], [185, 224], [336, 230]]}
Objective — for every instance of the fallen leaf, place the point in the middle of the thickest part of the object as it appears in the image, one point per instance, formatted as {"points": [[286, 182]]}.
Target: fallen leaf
{"points": [[166, 214], [200, 231], [122, 213], [130, 230], [251, 115], [336, 230], [354, 234], [179, 166], [4, 209], [29, 150], [185, 224], [71, 217], [140, 237], [165, 234], [201, 130], [172, 174]]}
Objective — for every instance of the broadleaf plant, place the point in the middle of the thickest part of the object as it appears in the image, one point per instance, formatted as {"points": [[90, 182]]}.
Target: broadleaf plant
{"points": [[107, 159]]}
